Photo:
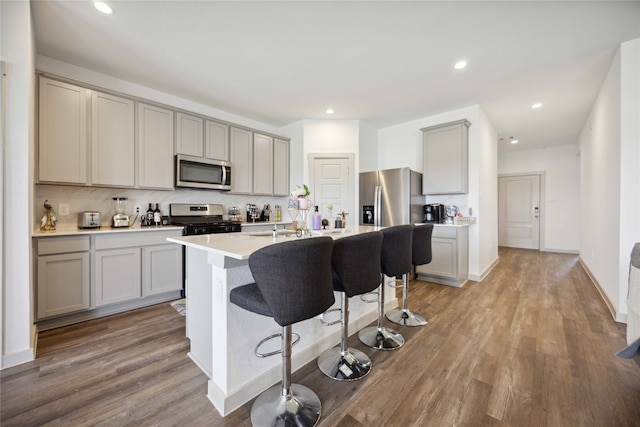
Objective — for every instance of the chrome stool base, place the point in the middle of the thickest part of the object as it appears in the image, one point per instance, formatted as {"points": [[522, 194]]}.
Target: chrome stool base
{"points": [[350, 366], [381, 338], [300, 409], [406, 317]]}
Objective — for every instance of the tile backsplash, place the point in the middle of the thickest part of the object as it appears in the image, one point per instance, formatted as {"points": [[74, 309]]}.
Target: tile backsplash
{"points": [[99, 199]]}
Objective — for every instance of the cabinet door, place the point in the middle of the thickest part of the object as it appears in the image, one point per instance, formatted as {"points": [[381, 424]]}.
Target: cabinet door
{"points": [[262, 164], [112, 140], [117, 275], [444, 262], [62, 133], [216, 141], [63, 284], [445, 158], [155, 147], [162, 268], [189, 135], [241, 156], [280, 167]]}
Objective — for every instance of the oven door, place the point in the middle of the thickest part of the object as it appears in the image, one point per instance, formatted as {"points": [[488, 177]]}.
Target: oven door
{"points": [[198, 172]]}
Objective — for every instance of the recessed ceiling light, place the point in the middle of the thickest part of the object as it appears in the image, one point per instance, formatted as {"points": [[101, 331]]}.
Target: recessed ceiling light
{"points": [[103, 7], [514, 141], [460, 65], [537, 105], [329, 111]]}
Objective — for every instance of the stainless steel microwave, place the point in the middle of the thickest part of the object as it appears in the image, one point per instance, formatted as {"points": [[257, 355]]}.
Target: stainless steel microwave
{"points": [[198, 172]]}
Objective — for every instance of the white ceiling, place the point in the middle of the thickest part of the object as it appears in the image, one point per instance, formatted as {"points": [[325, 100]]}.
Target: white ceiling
{"points": [[382, 62]]}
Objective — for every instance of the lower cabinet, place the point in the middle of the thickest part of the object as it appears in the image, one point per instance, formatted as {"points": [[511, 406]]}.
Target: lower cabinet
{"points": [[88, 276], [62, 275], [450, 260]]}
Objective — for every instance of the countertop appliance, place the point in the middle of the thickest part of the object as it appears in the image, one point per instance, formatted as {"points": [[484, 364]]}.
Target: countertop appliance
{"points": [[391, 197], [90, 219], [120, 219], [199, 219], [198, 172], [434, 213]]}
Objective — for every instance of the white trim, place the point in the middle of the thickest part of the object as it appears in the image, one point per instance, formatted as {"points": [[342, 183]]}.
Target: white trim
{"points": [[617, 316], [485, 273], [561, 251], [14, 359]]}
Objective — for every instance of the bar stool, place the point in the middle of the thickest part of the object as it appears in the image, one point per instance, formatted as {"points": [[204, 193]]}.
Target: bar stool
{"points": [[395, 259], [420, 254], [292, 283], [356, 270]]}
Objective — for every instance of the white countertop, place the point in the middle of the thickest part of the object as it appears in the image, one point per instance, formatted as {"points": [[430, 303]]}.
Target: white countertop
{"points": [[242, 245], [72, 229], [442, 224], [252, 224]]}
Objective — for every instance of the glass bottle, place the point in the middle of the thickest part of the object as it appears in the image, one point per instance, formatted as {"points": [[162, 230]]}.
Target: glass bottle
{"points": [[317, 219], [157, 216]]}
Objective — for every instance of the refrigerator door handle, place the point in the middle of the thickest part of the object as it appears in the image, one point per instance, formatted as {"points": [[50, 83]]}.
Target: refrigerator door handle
{"points": [[377, 205]]}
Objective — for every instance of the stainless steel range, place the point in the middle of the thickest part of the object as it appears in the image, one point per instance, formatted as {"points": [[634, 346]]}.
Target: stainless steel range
{"points": [[201, 219]]}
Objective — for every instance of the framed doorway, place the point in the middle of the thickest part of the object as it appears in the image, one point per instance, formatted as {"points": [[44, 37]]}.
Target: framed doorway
{"points": [[521, 210], [331, 181]]}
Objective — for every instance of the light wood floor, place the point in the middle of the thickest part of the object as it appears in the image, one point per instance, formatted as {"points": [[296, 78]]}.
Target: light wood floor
{"points": [[531, 345]]}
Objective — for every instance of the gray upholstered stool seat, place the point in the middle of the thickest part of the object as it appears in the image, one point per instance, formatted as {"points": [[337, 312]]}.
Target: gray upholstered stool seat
{"points": [[420, 254], [356, 270], [395, 259], [293, 283]]}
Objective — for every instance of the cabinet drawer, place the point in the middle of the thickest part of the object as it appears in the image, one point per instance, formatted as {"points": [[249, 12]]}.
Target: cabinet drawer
{"points": [[62, 244], [444, 232], [125, 240]]}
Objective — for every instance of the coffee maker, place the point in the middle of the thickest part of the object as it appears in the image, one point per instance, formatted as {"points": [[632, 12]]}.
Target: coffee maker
{"points": [[434, 213]]}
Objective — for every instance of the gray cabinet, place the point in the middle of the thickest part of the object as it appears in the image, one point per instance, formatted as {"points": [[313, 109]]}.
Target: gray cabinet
{"points": [[189, 135], [117, 275], [161, 269], [155, 147], [112, 140], [62, 280], [62, 133], [280, 167], [241, 156], [216, 140], [262, 164], [450, 259], [446, 158]]}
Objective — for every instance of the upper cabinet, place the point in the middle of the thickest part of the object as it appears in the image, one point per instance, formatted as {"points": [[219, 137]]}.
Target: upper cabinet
{"points": [[262, 164], [189, 131], [446, 158], [216, 140], [198, 137], [112, 140], [241, 153], [62, 133], [280, 167], [155, 147]]}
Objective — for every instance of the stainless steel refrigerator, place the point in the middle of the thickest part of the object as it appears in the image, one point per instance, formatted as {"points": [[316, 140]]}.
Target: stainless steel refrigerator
{"points": [[391, 197]]}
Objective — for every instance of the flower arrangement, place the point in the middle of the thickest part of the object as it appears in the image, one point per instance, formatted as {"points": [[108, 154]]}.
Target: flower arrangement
{"points": [[300, 197], [300, 192]]}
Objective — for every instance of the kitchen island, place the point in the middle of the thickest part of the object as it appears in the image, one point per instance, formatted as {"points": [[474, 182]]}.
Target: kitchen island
{"points": [[223, 336]]}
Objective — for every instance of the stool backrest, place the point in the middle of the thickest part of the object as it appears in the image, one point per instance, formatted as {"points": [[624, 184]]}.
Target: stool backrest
{"points": [[421, 253], [294, 278], [356, 263], [396, 250]]}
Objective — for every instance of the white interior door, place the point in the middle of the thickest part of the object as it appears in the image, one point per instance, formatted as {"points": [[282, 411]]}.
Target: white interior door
{"points": [[519, 211], [332, 182]]}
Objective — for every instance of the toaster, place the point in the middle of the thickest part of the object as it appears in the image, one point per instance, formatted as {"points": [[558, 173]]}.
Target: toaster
{"points": [[90, 219]]}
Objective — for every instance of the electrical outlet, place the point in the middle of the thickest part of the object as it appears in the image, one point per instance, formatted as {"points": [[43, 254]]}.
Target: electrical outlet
{"points": [[136, 209], [63, 209]]}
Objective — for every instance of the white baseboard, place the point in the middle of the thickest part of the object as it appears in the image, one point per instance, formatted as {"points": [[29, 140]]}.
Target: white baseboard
{"points": [[617, 316], [14, 359], [485, 273], [560, 251]]}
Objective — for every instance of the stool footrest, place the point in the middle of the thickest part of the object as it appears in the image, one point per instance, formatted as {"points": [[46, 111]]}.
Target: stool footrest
{"points": [[362, 297], [335, 322], [295, 336]]}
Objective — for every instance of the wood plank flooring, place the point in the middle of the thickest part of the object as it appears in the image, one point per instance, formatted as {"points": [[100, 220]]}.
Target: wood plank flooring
{"points": [[531, 345]]}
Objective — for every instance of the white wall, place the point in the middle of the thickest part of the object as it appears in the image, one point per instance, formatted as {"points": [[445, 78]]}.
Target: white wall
{"points": [[609, 157], [561, 165], [401, 145], [18, 51], [368, 148]]}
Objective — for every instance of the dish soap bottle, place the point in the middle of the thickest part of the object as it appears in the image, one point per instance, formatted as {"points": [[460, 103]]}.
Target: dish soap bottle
{"points": [[317, 219]]}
